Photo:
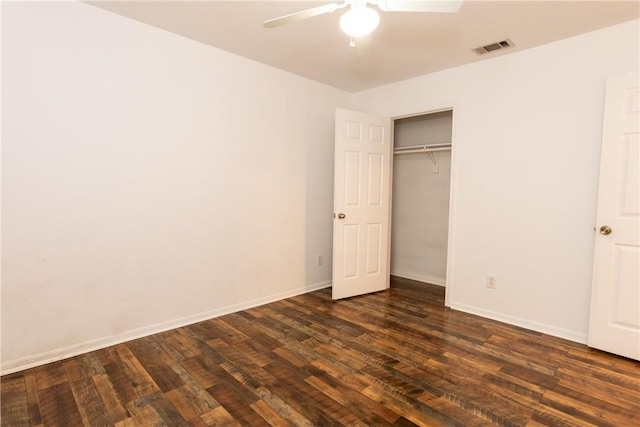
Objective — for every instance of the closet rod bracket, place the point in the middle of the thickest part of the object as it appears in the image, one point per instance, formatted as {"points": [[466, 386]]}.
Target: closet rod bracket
{"points": [[435, 161]]}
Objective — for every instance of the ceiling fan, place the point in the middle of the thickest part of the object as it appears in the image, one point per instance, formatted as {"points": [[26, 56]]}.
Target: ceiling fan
{"points": [[361, 19]]}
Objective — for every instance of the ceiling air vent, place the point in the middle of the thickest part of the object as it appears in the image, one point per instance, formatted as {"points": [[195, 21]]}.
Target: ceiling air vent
{"points": [[493, 46]]}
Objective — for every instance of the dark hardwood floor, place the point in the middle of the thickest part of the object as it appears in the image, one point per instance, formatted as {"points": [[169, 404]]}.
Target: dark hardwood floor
{"points": [[396, 357]]}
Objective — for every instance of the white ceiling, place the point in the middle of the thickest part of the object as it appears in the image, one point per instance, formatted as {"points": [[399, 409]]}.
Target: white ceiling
{"points": [[404, 45]]}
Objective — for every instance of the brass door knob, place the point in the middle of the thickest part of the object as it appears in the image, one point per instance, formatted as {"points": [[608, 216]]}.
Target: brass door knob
{"points": [[341, 216], [605, 230]]}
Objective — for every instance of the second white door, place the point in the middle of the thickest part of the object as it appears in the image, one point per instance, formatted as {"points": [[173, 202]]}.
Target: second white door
{"points": [[615, 297]]}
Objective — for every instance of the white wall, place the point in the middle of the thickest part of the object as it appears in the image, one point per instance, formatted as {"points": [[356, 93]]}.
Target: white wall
{"points": [[527, 131], [420, 217], [150, 181]]}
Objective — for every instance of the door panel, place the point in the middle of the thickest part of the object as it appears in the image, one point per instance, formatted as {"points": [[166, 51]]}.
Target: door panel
{"points": [[373, 246], [350, 257], [376, 169], [630, 202], [625, 286], [614, 324], [352, 179], [361, 203]]}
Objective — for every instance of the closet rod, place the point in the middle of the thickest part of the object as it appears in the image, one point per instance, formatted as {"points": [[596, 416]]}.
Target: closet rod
{"points": [[422, 148]]}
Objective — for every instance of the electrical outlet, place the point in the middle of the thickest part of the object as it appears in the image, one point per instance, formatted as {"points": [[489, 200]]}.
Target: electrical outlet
{"points": [[319, 261], [492, 281]]}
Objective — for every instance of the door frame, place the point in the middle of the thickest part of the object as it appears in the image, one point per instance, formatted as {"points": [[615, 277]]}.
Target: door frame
{"points": [[455, 111]]}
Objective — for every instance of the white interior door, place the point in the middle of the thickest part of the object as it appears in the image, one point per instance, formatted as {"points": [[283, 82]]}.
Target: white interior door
{"points": [[361, 203], [615, 300]]}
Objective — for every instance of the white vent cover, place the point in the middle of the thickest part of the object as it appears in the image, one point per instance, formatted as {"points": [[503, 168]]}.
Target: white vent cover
{"points": [[493, 47]]}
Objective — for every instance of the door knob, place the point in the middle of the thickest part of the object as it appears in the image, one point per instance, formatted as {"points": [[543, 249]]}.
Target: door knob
{"points": [[605, 230], [341, 216]]}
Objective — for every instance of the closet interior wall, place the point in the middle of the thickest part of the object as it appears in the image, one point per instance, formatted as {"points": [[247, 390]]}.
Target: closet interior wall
{"points": [[420, 213]]}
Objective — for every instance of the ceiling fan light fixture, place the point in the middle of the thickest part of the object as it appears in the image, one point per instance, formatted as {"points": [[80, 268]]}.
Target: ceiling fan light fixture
{"points": [[359, 21]]}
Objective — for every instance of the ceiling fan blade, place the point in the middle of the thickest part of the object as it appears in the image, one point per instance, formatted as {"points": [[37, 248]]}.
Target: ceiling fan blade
{"points": [[303, 14], [437, 6]]}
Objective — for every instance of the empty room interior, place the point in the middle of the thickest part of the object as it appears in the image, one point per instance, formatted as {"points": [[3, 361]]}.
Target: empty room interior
{"points": [[250, 213]]}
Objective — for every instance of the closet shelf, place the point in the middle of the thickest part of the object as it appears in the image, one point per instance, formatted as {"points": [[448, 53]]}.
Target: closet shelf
{"points": [[422, 148]]}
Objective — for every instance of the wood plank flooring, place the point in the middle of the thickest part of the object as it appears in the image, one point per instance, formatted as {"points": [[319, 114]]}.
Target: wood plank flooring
{"points": [[397, 357]]}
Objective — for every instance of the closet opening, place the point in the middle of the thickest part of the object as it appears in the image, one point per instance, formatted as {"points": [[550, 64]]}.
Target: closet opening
{"points": [[420, 196]]}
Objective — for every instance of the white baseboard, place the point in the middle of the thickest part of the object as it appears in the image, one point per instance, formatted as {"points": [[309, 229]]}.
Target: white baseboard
{"points": [[420, 278], [567, 334], [96, 344]]}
